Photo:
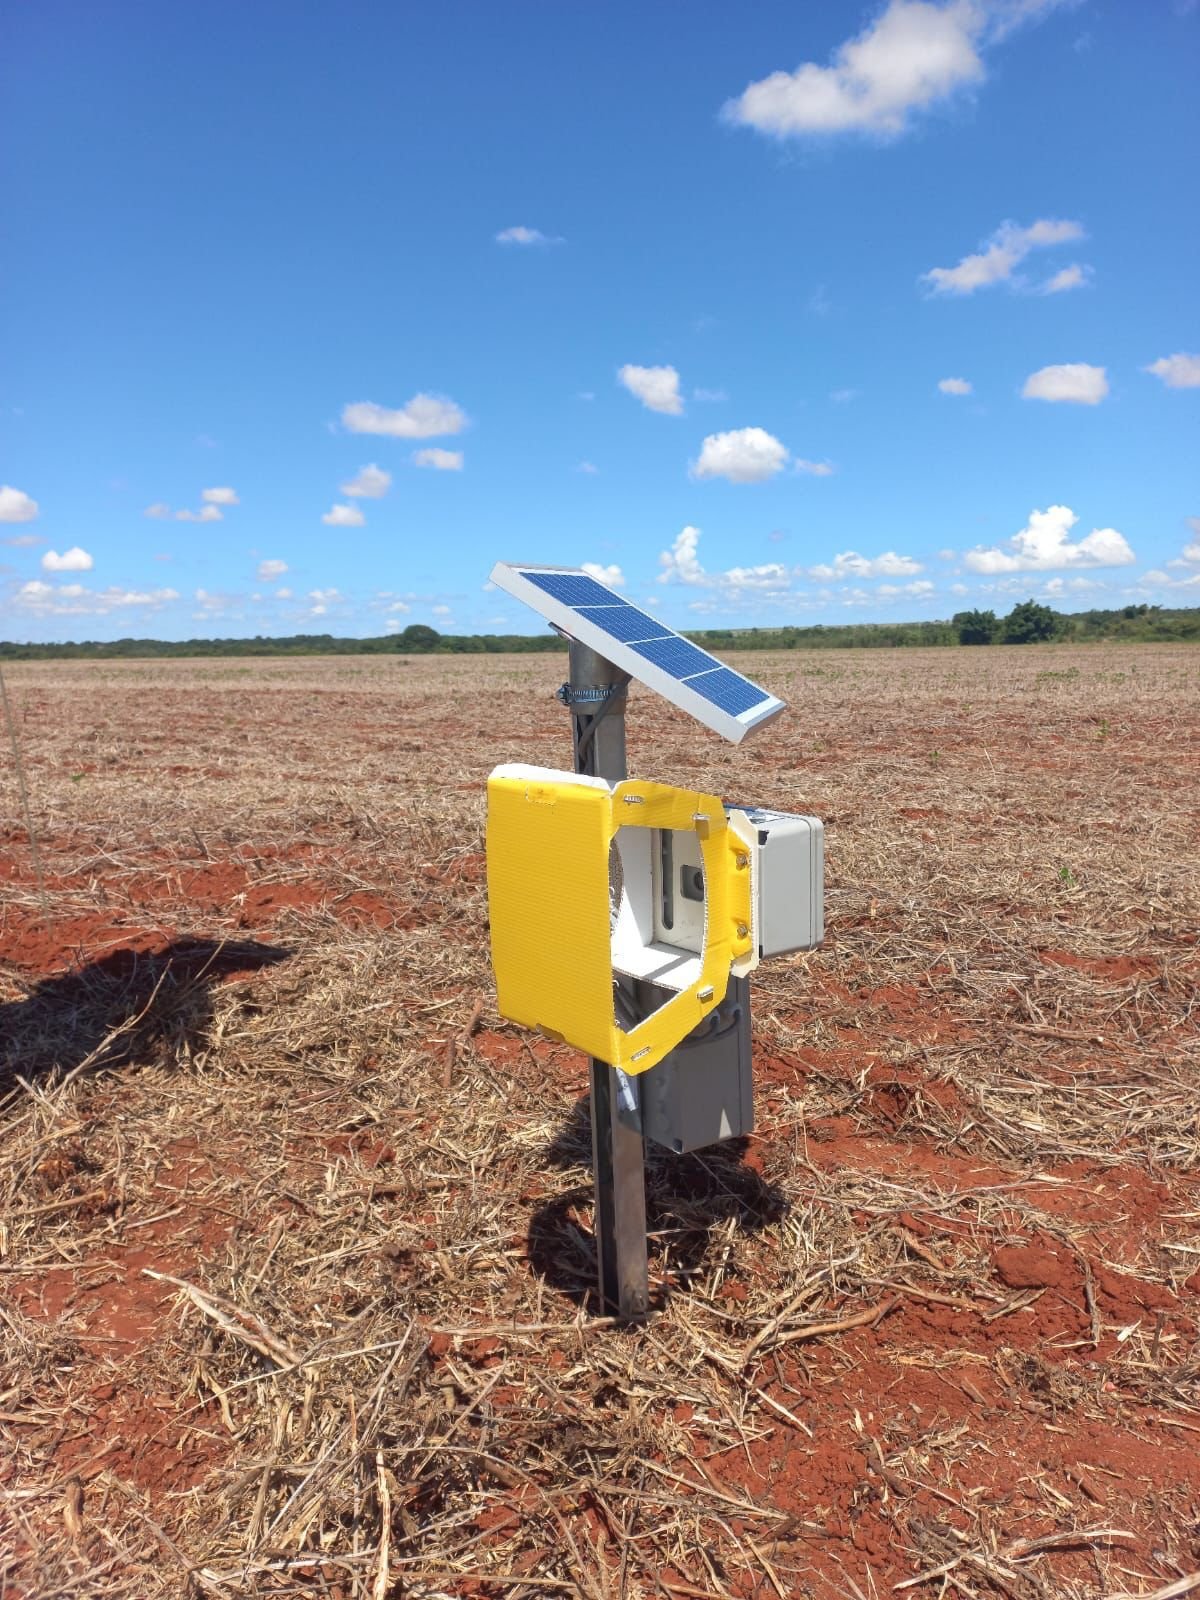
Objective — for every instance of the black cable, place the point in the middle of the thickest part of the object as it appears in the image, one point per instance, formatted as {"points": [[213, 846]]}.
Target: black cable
{"points": [[584, 741]]}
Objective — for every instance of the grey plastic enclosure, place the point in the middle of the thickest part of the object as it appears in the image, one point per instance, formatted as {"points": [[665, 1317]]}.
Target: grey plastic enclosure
{"points": [[703, 1091], [789, 879]]}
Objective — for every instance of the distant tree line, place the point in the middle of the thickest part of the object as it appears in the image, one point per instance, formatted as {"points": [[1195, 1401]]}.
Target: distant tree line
{"points": [[1026, 623]]}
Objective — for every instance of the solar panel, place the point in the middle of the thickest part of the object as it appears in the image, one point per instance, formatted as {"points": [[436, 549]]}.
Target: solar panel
{"points": [[679, 657], [728, 689], [583, 608], [626, 623], [575, 588]]}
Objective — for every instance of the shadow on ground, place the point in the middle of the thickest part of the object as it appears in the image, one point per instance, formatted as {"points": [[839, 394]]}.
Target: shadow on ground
{"points": [[688, 1199], [131, 1005]]}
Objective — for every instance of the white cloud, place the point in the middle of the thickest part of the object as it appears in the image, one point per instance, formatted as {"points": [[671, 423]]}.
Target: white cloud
{"points": [[709, 396], [268, 571], [16, 505], [771, 577], [209, 513], [1191, 552], [526, 236], [815, 469], [656, 387], [1044, 545], [1072, 277], [220, 496], [911, 56], [680, 564], [612, 575], [22, 541], [919, 588], [744, 455], [368, 483], [1075, 382], [439, 460], [159, 509], [588, 467], [339, 516], [72, 560], [843, 397], [1180, 371], [849, 564], [283, 594], [441, 611], [72, 599], [954, 386], [423, 417], [999, 257]]}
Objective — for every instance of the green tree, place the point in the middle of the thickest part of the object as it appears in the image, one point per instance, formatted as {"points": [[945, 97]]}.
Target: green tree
{"points": [[976, 627], [417, 639], [1029, 623]]}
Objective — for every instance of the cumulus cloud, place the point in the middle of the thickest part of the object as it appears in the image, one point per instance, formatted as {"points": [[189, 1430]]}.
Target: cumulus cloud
{"points": [[1180, 371], [1044, 545], [681, 564], [425, 416], [656, 387], [744, 455], [736, 586], [998, 258], [222, 495], [1072, 277], [208, 513], [439, 460], [72, 560], [1075, 383], [368, 483], [16, 505], [769, 578], [815, 469], [72, 599], [339, 516], [920, 589], [441, 611], [526, 236], [849, 564], [911, 56], [611, 575], [1190, 554], [268, 571], [954, 386], [159, 509]]}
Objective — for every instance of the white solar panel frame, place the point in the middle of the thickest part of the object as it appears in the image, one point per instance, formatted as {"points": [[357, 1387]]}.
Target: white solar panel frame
{"points": [[571, 621]]}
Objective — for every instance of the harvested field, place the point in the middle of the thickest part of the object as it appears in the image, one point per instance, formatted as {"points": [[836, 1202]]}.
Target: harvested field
{"points": [[295, 1252]]}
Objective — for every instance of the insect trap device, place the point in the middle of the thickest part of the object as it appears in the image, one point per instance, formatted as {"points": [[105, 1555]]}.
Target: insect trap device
{"points": [[627, 916]]}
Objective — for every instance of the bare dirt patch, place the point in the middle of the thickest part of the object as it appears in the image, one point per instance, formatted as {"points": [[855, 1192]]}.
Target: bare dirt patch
{"points": [[295, 1239]]}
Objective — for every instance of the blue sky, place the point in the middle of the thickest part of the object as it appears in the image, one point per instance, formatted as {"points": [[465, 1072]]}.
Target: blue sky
{"points": [[779, 312]]}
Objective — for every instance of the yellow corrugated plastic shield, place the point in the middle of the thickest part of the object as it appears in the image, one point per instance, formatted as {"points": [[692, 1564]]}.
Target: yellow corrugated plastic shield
{"points": [[548, 837]]}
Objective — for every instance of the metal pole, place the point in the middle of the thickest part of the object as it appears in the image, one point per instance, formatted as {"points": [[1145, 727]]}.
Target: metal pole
{"points": [[597, 704]]}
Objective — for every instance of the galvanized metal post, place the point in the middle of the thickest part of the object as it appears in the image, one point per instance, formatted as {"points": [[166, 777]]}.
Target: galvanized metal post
{"points": [[597, 693]]}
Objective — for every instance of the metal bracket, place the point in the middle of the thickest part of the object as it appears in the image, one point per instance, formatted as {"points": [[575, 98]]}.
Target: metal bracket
{"points": [[572, 696]]}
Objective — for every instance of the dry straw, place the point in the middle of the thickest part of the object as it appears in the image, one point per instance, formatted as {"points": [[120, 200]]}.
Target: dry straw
{"points": [[295, 1261]]}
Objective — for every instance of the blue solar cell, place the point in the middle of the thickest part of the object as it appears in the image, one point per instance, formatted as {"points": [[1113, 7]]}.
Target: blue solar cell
{"points": [[573, 588], [677, 656], [729, 690], [623, 622]]}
